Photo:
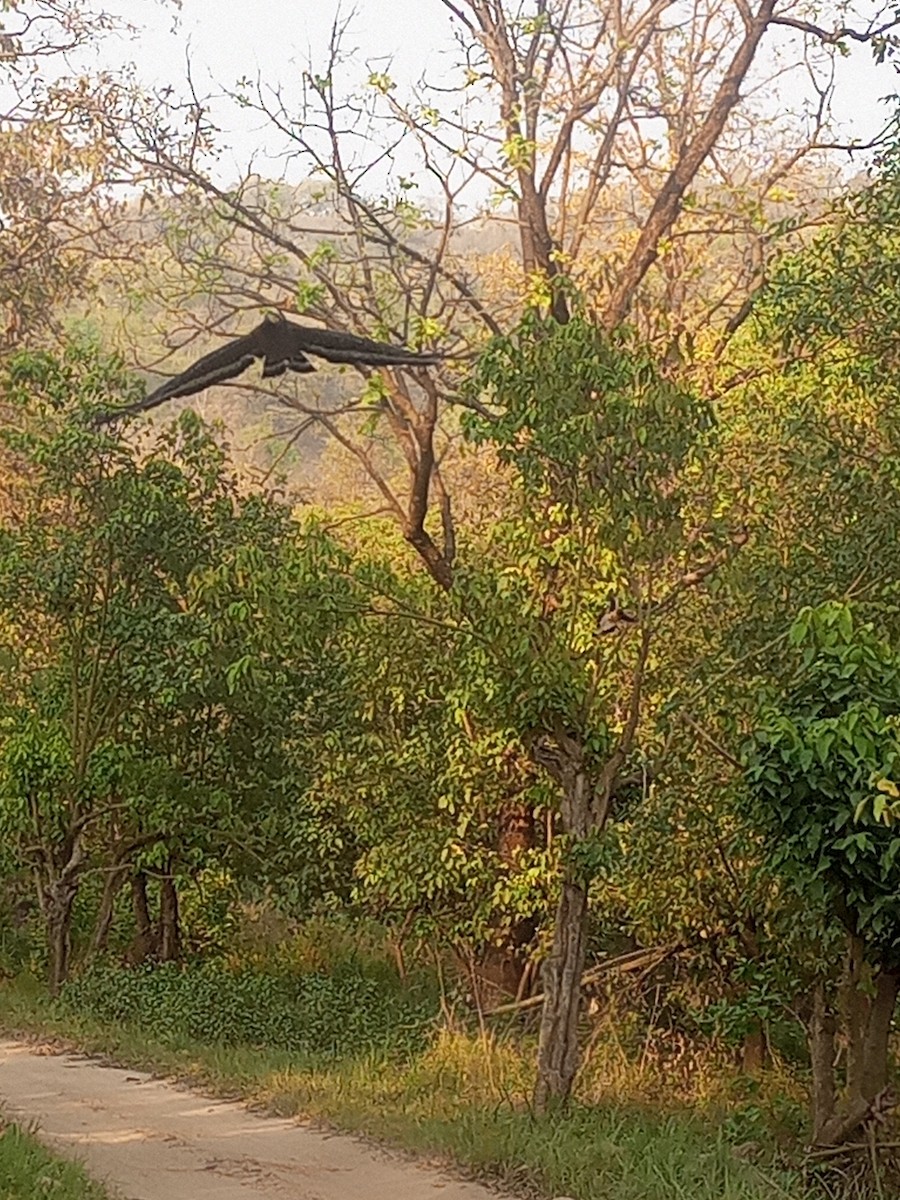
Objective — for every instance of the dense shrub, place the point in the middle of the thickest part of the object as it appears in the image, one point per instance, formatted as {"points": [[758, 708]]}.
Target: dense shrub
{"points": [[330, 1015]]}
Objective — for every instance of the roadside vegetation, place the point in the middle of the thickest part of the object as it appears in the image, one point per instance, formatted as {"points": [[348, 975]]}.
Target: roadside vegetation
{"points": [[446, 1092], [29, 1172]]}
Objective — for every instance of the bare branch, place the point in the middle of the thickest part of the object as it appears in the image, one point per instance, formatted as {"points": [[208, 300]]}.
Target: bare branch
{"points": [[667, 205], [833, 37]]}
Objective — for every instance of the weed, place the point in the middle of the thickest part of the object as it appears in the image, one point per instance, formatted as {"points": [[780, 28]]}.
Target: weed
{"points": [[28, 1170]]}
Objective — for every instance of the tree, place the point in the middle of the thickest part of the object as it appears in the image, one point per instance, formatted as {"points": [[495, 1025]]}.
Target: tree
{"points": [[821, 765], [58, 169], [408, 752], [810, 437], [546, 104], [146, 717], [615, 501]]}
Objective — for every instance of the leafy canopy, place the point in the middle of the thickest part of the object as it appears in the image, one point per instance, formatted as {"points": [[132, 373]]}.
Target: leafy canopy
{"points": [[820, 768]]}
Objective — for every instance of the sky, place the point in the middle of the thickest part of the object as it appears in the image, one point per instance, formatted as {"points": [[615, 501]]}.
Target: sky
{"points": [[230, 39], [283, 36]]}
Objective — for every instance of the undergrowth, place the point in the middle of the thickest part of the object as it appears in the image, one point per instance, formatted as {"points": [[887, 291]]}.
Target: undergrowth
{"points": [[350, 1053], [29, 1172], [315, 1014]]}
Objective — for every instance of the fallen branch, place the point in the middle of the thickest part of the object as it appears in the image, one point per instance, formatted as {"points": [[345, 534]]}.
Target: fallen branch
{"points": [[826, 1152], [634, 960]]}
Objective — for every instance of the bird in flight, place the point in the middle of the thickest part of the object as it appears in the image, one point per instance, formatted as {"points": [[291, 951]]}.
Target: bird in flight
{"points": [[283, 346]]}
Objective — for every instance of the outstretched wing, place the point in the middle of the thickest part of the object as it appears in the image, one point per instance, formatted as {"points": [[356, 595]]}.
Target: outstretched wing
{"points": [[225, 363], [348, 348], [283, 346]]}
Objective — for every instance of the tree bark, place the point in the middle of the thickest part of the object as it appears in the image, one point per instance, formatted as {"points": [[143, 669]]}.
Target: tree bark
{"points": [[143, 927], [877, 1034], [563, 968], [867, 1024], [114, 882], [754, 1051], [58, 877], [868, 1019], [169, 926], [558, 1047], [854, 1005], [60, 900], [502, 966], [821, 1053]]}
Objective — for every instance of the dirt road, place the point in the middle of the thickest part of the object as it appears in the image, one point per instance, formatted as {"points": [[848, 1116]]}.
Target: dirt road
{"points": [[151, 1140]]}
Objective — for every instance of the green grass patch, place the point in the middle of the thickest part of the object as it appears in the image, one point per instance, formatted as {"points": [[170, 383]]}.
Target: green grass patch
{"points": [[458, 1096], [29, 1172]]}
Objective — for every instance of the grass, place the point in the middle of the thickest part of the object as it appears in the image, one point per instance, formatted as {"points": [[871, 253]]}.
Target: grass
{"points": [[464, 1098], [29, 1172]]}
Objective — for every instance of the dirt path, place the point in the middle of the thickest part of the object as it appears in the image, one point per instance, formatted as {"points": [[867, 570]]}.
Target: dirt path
{"points": [[151, 1140]]}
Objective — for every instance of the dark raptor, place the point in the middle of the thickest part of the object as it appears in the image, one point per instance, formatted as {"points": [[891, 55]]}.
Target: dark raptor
{"points": [[283, 346]]}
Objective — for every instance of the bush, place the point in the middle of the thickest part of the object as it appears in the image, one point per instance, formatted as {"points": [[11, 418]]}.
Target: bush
{"points": [[322, 1015]]}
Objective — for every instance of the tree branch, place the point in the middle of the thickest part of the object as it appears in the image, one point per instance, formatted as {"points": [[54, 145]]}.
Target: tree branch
{"points": [[832, 37], [667, 205]]}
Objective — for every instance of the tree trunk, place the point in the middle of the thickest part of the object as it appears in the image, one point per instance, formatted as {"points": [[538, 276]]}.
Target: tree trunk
{"points": [[501, 967], [558, 1046], [169, 928], [558, 1054], [867, 1025], [877, 1034], [143, 928], [57, 884], [854, 1006], [60, 899], [114, 881], [754, 1051], [821, 1053], [868, 1011]]}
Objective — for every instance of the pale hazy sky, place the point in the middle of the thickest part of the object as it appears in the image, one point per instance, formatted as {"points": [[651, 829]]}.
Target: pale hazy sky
{"points": [[233, 38]]}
